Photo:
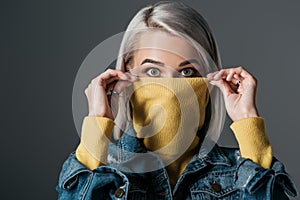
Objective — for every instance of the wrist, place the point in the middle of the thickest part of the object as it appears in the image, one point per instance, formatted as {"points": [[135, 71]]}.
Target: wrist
{"points": [[100, 114], [245, 114]]}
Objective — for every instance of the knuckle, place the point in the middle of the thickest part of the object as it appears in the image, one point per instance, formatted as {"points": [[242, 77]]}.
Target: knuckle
{"points": [[94, 81], [253, 80], [109, 70], [100, 77]]}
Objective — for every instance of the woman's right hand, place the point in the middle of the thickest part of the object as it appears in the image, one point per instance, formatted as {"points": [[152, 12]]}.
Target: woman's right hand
{"points": [[97, 90]]}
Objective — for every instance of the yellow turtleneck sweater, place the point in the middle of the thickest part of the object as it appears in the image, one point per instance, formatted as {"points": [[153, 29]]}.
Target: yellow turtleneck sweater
{"points": [[250, 133]]}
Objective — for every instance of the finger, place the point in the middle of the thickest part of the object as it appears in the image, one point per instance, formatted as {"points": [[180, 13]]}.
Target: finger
{"points": [[223, 86], [222, 74], [121, 85], [111, 73], [110, 76], [244, 73], [111, 82], [240, 71], [117, 73], [236, 80], [237, 77], [245, 78], [211, 75], [130, 77], [239, 74], [111, 85], [229, 76]]}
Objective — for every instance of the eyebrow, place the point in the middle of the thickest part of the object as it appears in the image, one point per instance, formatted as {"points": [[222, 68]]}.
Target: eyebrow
{"points": [[186, 62], [147, 60]]}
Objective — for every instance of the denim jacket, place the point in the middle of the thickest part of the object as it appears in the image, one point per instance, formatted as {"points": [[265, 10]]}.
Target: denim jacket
{"points": [[221, 174]]}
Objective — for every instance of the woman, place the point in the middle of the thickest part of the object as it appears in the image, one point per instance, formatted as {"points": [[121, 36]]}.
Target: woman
{"points": [[160, 124]]}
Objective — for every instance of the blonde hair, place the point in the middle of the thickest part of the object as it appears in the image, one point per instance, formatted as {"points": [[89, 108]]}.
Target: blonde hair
{"points": [[174, 18]]}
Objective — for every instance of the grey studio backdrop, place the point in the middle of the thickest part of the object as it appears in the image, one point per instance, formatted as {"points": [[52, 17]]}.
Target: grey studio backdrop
{"points": [[43, 43]]}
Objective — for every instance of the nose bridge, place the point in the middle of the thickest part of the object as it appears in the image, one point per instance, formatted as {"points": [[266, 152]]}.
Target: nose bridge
{"points": [[176, 74], [171, 72]]}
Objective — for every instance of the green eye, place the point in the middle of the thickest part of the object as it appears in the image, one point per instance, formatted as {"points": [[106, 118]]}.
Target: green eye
{"points": [[187, 72], [154, 72]]}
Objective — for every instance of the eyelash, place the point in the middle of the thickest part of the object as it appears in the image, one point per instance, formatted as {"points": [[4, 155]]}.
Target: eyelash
{"points": [[149, 68], [193, 69]]}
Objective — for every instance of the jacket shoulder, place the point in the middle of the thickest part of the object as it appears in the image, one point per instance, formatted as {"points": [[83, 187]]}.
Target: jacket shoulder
{"points": [[232, 153]]}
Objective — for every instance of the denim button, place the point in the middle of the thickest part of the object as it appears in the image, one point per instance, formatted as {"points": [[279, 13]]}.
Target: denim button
{"points": [[215, 187], [119, 193]]}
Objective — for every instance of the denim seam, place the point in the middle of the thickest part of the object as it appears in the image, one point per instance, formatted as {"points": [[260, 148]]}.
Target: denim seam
{"points": [[224, 192], [85, 189], [255, 179]]}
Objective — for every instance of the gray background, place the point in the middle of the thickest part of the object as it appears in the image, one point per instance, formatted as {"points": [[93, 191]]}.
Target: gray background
{"points": [[44, 42]]}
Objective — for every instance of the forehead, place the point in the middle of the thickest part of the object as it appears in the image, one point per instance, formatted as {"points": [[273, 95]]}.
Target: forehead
{"points": [[159, 43]]}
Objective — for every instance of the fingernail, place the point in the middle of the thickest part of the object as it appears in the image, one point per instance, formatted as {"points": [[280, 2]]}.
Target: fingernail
{"points": [[133, 78], [123, 76], [212, 82], [134, 75], [209, 75]]}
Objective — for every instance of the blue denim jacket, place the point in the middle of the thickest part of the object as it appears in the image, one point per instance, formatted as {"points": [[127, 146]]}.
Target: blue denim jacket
{"points": [[222, 174]]}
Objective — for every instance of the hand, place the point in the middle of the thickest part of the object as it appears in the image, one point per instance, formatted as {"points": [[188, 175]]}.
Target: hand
{"points": [[239, 90], [97, 90]]}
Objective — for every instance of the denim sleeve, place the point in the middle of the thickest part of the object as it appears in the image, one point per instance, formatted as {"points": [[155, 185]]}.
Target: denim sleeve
{"points": [[78, 182], [260, 183]]}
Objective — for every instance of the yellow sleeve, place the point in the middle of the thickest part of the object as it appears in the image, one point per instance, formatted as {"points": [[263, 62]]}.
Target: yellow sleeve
{"points": [[253, 140], [95, 137]]}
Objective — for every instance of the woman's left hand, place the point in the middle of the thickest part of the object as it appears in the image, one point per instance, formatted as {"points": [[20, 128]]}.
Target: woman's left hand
{"points": [[239, 90]]}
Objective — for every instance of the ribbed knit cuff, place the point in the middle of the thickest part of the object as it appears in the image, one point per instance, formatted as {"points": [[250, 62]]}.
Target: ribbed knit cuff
{"points": [[95, 138], [253, 140]]}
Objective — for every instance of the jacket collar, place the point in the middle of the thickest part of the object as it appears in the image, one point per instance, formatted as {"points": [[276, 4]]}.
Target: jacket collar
{"points": [[209, 152], [215, 156]]}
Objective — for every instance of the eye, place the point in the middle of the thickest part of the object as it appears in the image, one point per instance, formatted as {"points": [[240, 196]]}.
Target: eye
{"points": [[187, 72], [154, 72]]}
